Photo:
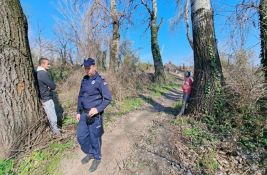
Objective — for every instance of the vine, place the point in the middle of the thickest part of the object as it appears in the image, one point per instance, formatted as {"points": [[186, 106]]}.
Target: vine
{"points": [[214, 88]]}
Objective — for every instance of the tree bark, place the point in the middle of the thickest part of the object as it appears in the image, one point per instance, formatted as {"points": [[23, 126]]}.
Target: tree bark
{"points": [[263, 35], [208, 77], [19, 104], [114, 51]]}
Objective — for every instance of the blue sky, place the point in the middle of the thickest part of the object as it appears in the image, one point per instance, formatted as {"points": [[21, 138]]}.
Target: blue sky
{"points": [[173, 44]]}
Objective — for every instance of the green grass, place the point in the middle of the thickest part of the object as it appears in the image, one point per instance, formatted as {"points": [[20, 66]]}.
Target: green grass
{"points": [[197, 135], [45, 161], [177, 105], [157, 89], [69, 120], [208, 163], [7, 167], [194, 131], [130, 104]]}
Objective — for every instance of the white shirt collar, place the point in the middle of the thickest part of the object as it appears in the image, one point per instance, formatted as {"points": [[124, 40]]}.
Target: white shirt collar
{"points": [[40, 68]]}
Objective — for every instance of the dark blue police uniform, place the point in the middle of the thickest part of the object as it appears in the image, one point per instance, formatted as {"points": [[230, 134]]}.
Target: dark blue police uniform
{"points": [[94, 93]]}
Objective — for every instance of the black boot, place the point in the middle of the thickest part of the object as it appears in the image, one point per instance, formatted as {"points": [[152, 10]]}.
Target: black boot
{"points": [[86, 159], [94, 165]]}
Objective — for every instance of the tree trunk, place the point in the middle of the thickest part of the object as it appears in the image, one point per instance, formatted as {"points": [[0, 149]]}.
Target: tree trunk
{"points": [[158, 65], [101, 56], [208, 77], [70, 57], [113, 65], [263, 35], [19, 104]]}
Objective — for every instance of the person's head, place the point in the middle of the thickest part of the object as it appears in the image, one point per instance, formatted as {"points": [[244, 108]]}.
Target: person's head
{"points": [[89, 66], [187, 74], [44, 62]]}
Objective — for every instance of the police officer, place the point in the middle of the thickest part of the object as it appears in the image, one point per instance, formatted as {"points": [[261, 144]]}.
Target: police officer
{"points": [[93, 98]]}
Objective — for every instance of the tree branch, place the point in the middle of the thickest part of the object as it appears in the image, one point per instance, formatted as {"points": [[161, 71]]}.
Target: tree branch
{"points": [[160, 23], [186, 19], [146, 6]]}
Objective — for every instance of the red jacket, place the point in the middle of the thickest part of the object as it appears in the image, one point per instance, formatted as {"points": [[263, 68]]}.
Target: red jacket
{"points": [[187, 87]]}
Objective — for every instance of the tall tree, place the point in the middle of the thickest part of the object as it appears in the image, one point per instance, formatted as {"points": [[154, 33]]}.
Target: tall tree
{"points": [[208, 77], [115, 42], [263, 34], [120, 12], [154, 29], [19, 105]]}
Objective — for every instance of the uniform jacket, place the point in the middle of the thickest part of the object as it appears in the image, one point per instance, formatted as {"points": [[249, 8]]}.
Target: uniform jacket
{"points": [[94, 93]]}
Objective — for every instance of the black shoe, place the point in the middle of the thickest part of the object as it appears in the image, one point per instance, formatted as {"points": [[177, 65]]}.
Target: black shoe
{"points": [[94, 165], [86, 159]]}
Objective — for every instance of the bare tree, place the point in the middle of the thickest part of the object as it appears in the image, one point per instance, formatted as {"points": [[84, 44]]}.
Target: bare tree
{"points": [[19, 104], [154, 28], [119, 16], [85, 25], [208, 77], [61, 48]]}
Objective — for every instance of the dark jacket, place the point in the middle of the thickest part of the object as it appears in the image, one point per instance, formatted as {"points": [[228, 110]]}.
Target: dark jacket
{"points": [[46, 85], [94, 93]]}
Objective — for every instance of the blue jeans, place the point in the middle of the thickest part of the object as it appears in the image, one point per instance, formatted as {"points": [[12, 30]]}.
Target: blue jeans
{"points": [[186, 98], [50, 111]]}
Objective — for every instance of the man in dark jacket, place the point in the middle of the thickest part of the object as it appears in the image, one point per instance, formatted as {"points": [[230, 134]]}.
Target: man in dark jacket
{"points": [[93, 98], [46, 85]]}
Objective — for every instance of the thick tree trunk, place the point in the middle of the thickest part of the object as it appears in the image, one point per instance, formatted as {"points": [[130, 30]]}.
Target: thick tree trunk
{"points": [[208, 78], [114, 51], [19, 104], [158, 65], [263, 35]]}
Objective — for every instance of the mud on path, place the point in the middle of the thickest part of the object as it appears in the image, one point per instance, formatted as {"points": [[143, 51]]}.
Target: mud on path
{"points": [[122, 143]]}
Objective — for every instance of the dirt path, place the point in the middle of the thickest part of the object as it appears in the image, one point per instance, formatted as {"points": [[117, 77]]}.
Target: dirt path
{"points": [[121, 137]]}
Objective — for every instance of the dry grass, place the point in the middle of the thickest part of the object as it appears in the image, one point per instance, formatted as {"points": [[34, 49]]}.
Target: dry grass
{"points": [[123, 84], [244, 85]]}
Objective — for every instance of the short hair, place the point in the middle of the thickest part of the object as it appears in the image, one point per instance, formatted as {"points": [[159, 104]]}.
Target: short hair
{"points": [[42, 60], [187, 74]]}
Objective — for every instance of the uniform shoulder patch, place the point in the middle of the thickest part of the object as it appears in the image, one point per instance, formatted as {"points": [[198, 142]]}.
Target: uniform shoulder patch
{"points": [[101, 77], [103, 80]]}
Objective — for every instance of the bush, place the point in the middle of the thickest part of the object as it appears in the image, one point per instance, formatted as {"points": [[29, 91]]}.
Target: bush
{"points": [[244, 117], [60, 73]]}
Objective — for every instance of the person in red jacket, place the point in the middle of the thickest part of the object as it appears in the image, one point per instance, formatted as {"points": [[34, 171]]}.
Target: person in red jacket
{"points": [[187, 87]]}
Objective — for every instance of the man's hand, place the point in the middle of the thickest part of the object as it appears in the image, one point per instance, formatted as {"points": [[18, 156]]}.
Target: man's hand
{"points": [[78, 116], [92, 112]]}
